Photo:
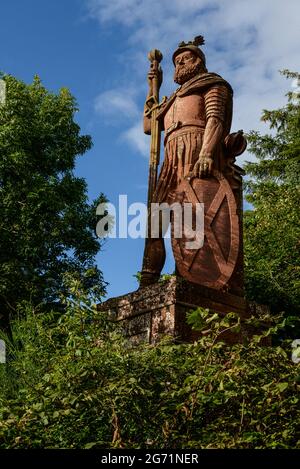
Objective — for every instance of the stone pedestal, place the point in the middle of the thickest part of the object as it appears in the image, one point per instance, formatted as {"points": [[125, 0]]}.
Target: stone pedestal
{"points": [[160, 309]]}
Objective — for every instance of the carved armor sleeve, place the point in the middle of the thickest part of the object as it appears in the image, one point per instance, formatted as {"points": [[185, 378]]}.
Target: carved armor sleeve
{"points": [[215, 100]]}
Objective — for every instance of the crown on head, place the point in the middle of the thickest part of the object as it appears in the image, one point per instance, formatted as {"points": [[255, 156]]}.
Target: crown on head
{"points": [[198, 41], [193, 47]]}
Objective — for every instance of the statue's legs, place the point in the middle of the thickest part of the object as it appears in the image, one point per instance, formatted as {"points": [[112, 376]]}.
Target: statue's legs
{"points": [[154, 253], [153, 262]]}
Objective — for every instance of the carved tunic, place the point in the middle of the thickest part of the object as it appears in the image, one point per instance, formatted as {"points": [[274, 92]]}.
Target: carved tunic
{"points": [[184, 117]]}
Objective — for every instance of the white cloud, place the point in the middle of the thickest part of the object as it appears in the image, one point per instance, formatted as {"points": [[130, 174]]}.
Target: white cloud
{"points": [[137, 139], [116, 103], [246, 42]]}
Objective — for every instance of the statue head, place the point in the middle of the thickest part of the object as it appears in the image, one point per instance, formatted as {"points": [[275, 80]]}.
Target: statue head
{"points": [[189, 60]]}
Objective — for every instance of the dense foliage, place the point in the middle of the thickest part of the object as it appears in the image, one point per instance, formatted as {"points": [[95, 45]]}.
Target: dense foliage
{"points": [[72, 380], [46, 222], [77, 383], [272, 229]]}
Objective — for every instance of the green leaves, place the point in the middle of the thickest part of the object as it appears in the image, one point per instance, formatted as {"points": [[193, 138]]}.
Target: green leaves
{"points": [[272, 228], [282, 386], [46, 221], [112, 394]]}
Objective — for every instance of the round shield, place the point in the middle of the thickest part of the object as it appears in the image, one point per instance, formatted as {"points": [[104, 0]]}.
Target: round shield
{"points": [[206, 248]]}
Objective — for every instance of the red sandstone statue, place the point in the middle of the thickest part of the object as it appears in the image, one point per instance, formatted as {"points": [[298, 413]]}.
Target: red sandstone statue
{"points": [[199, 165]]}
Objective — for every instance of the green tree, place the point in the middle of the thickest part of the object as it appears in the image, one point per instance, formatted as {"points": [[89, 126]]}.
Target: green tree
{"points": [[46, 221], [272, 228]]}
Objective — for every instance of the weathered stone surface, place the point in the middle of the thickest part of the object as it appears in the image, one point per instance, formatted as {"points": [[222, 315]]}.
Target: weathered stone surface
{"points": [[198, 168], [160, 309], [212, 264]]}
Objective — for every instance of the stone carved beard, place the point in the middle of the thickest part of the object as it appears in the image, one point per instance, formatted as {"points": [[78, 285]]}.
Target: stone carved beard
{"points": [[185, 72]]}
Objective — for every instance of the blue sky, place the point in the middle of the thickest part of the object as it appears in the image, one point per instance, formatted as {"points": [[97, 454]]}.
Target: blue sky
{"points": [[98, 49]]}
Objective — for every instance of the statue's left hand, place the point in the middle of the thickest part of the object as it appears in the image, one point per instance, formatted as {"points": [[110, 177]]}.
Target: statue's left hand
{"points": [[203, 166]]}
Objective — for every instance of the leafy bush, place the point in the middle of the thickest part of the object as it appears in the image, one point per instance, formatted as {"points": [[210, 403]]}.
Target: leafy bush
{"points": [[75, 382]]}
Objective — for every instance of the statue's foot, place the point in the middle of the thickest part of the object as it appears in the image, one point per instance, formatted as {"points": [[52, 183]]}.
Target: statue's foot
{"points": [[148, 278]]}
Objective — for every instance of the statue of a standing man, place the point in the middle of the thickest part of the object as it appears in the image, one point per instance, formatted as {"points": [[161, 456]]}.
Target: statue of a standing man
{"points": [[196, 121]]}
